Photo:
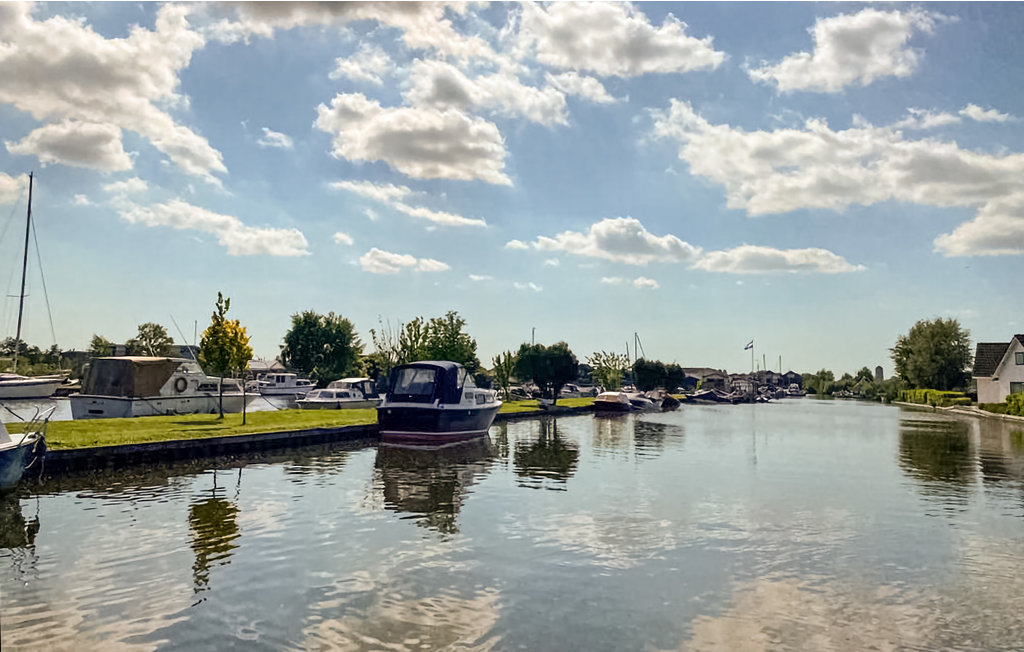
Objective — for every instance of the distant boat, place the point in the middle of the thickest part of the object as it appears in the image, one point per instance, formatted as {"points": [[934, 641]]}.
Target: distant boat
{"points": [[140, 386], [347, 393], [281, 384], [434, 403], [15, 386], [794, 390], [19, 451], [624, 402]]}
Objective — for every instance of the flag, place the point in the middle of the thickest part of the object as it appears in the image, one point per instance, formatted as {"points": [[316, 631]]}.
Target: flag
{"points": [[749, 345]]}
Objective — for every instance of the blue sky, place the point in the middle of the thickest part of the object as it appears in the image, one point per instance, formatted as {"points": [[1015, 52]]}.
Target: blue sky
{"points": [[815, 177]]}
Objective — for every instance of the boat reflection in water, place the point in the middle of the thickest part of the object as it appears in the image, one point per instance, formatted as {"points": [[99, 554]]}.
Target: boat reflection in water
{"points": [[430, 483], [15, 530]]}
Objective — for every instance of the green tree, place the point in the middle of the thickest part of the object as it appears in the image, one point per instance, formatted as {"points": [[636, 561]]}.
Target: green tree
{"points": [[648, 374], [412, 341], [608, 368], [504, 370], [224, 347], [935, 354], [151, 340], [549, 367], [100, 346], [325, 347], [446, 340], [822, 382]]}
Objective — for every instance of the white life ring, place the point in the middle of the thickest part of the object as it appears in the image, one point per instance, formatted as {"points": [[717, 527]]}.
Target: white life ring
{"points": [[180, 385]]}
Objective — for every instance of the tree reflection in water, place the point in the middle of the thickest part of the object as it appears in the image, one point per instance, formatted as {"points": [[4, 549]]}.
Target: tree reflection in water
{"points": [[15, 531], [937, 451], [548, 461], [431, 483], [213, 523]]}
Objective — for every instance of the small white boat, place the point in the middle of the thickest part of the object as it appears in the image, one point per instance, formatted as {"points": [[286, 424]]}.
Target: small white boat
{"points": [[141, 386], [20, 451], [281, 384], [623, 402], [14, 386], [336, 399]]}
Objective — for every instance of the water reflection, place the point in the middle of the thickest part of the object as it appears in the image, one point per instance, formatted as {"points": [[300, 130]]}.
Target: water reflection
{"points": [[546, 460], [432, 483], [15, 530], [213, 524], [937, 451]]}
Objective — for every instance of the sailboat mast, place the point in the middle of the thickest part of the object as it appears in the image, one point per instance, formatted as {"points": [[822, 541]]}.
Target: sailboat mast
{"points": [[24, 269]]}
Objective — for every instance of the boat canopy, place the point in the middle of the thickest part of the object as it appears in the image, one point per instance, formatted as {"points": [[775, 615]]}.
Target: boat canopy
{"points": [[427, 381], [132, 376]]}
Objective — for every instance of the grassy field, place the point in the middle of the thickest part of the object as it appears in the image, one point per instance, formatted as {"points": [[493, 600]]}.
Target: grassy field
{"points": [[116, 432]]}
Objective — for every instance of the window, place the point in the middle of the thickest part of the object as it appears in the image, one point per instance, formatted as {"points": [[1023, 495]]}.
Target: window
{"points": [[1019, 357], [1016, 388], [415, 385]]}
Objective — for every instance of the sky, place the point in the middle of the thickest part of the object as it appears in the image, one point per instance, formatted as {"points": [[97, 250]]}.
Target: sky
{"points": [[814, 178]]}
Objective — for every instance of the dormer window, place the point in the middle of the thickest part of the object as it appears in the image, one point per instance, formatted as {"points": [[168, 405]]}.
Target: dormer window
{"points": [[1018, 357]]}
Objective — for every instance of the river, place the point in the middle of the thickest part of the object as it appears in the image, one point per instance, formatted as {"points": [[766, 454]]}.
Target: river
{"points": [[795, 525]]}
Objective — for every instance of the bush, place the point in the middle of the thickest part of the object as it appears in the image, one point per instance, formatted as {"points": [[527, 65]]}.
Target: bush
{"points": [[994, 408], [934, 397], [1015, 405]]}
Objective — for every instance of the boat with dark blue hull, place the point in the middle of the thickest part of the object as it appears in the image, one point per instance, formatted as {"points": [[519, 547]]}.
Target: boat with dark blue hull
{"points": [[434, 403], [20, 451]]}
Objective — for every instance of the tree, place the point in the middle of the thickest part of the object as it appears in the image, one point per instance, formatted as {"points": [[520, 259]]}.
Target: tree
{"points": [[648, 374], [224, 347], [549, 367], [935, 354], [445, 340], [412, 341], [504, 369], [822, 382], [325, 347], [100, 346], [151, 340], [608, 368]]}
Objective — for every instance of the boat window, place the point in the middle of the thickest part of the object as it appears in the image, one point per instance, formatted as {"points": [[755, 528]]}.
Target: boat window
{"points": [[481, 399], [414, 385], [343, 395]]}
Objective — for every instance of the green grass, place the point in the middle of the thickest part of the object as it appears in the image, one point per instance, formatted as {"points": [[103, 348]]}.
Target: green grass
{"points": [[116, 432]]}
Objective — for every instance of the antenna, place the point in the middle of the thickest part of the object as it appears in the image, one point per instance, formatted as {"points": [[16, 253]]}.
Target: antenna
{"points": [[193, 353]]}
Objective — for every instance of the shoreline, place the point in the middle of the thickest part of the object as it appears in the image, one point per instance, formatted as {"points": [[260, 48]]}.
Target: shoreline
{"points": [[964, 410], [62, 461]]}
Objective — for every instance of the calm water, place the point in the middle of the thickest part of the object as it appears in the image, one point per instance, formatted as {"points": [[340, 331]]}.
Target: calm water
{"points": [[796, 525]]}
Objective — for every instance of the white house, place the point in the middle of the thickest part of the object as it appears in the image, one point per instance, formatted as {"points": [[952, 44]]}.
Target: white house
{"points": [[999, 369]]}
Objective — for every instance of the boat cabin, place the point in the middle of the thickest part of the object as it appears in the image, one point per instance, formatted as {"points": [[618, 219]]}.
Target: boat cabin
{"points": [[429, 381]]}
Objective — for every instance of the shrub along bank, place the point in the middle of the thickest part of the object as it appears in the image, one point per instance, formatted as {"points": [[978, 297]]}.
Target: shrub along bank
{"points": [[1013, 406], [934, 397]]}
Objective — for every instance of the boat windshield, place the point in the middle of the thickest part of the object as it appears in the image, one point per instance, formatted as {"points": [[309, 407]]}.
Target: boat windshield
{"points": [[465, 379], [415, 385]]}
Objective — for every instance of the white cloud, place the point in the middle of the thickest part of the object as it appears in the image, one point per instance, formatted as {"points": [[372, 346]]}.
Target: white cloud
{"points": [[131, 186], [622, 239], [369, 64], [377, 261], [975, 112], [423, 143], [480, 277], [997, 230], [82, 200], [441, 85], [612, 280], [60, 69], [10, 188], [750, 259], [612, 39], [71, 142], [573, 83], [644, 282], [239, 239], [342, 238], [275, 139], [528, 286], [516, 244], [552, 262], [851, 48], [424, 25], [393, 196], [779, 171], [926, 119]]}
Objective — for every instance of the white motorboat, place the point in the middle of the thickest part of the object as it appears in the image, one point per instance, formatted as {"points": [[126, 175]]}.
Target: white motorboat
{"points": [[15, 386], [281, 384], [139, 386], [336, 399], [623, 402]]}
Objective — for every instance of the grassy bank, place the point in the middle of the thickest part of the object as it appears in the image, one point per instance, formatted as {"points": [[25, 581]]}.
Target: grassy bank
{"points": [[117, 432]]}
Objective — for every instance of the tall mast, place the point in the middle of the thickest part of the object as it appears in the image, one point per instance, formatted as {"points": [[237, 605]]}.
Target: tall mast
{"points": [[24, 269]]}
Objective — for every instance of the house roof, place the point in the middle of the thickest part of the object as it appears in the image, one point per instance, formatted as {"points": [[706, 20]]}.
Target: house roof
{"points": [[988, 355]]}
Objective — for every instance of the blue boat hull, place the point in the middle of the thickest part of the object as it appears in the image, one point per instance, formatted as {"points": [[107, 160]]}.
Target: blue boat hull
{"points": [[430, 425], [13, 462]]}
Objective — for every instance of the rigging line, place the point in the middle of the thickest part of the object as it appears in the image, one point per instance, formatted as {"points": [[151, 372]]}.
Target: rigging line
{"points": [[46, 295]]}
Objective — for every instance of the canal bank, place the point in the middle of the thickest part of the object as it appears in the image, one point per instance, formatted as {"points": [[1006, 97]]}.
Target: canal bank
{"points": [[88, 458]]}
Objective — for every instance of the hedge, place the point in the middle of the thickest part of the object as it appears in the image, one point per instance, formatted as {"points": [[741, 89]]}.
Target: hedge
{"points": [[933, 397], [1014, 406]]}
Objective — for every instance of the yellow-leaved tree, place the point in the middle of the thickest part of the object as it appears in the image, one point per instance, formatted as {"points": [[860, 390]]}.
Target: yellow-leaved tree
{"points": [[224, 347]]}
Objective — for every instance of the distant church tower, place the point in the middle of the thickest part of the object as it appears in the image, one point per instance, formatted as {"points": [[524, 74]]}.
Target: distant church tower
{"points": [[878, 374]]}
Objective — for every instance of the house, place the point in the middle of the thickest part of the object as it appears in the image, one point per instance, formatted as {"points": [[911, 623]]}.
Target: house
{"points": [[707, 377], [791, 377], [999, 369]]}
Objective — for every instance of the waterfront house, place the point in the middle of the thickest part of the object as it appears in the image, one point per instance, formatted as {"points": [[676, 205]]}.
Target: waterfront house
{"points": [[791, 377], [999, 369], [707, 377]]}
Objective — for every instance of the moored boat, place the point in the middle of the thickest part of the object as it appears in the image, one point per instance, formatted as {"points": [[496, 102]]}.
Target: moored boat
{"points": [[139, 386], [623, 402], [15, 386], [434, 402], [336, 399], [282, 384], [20, 450]]}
